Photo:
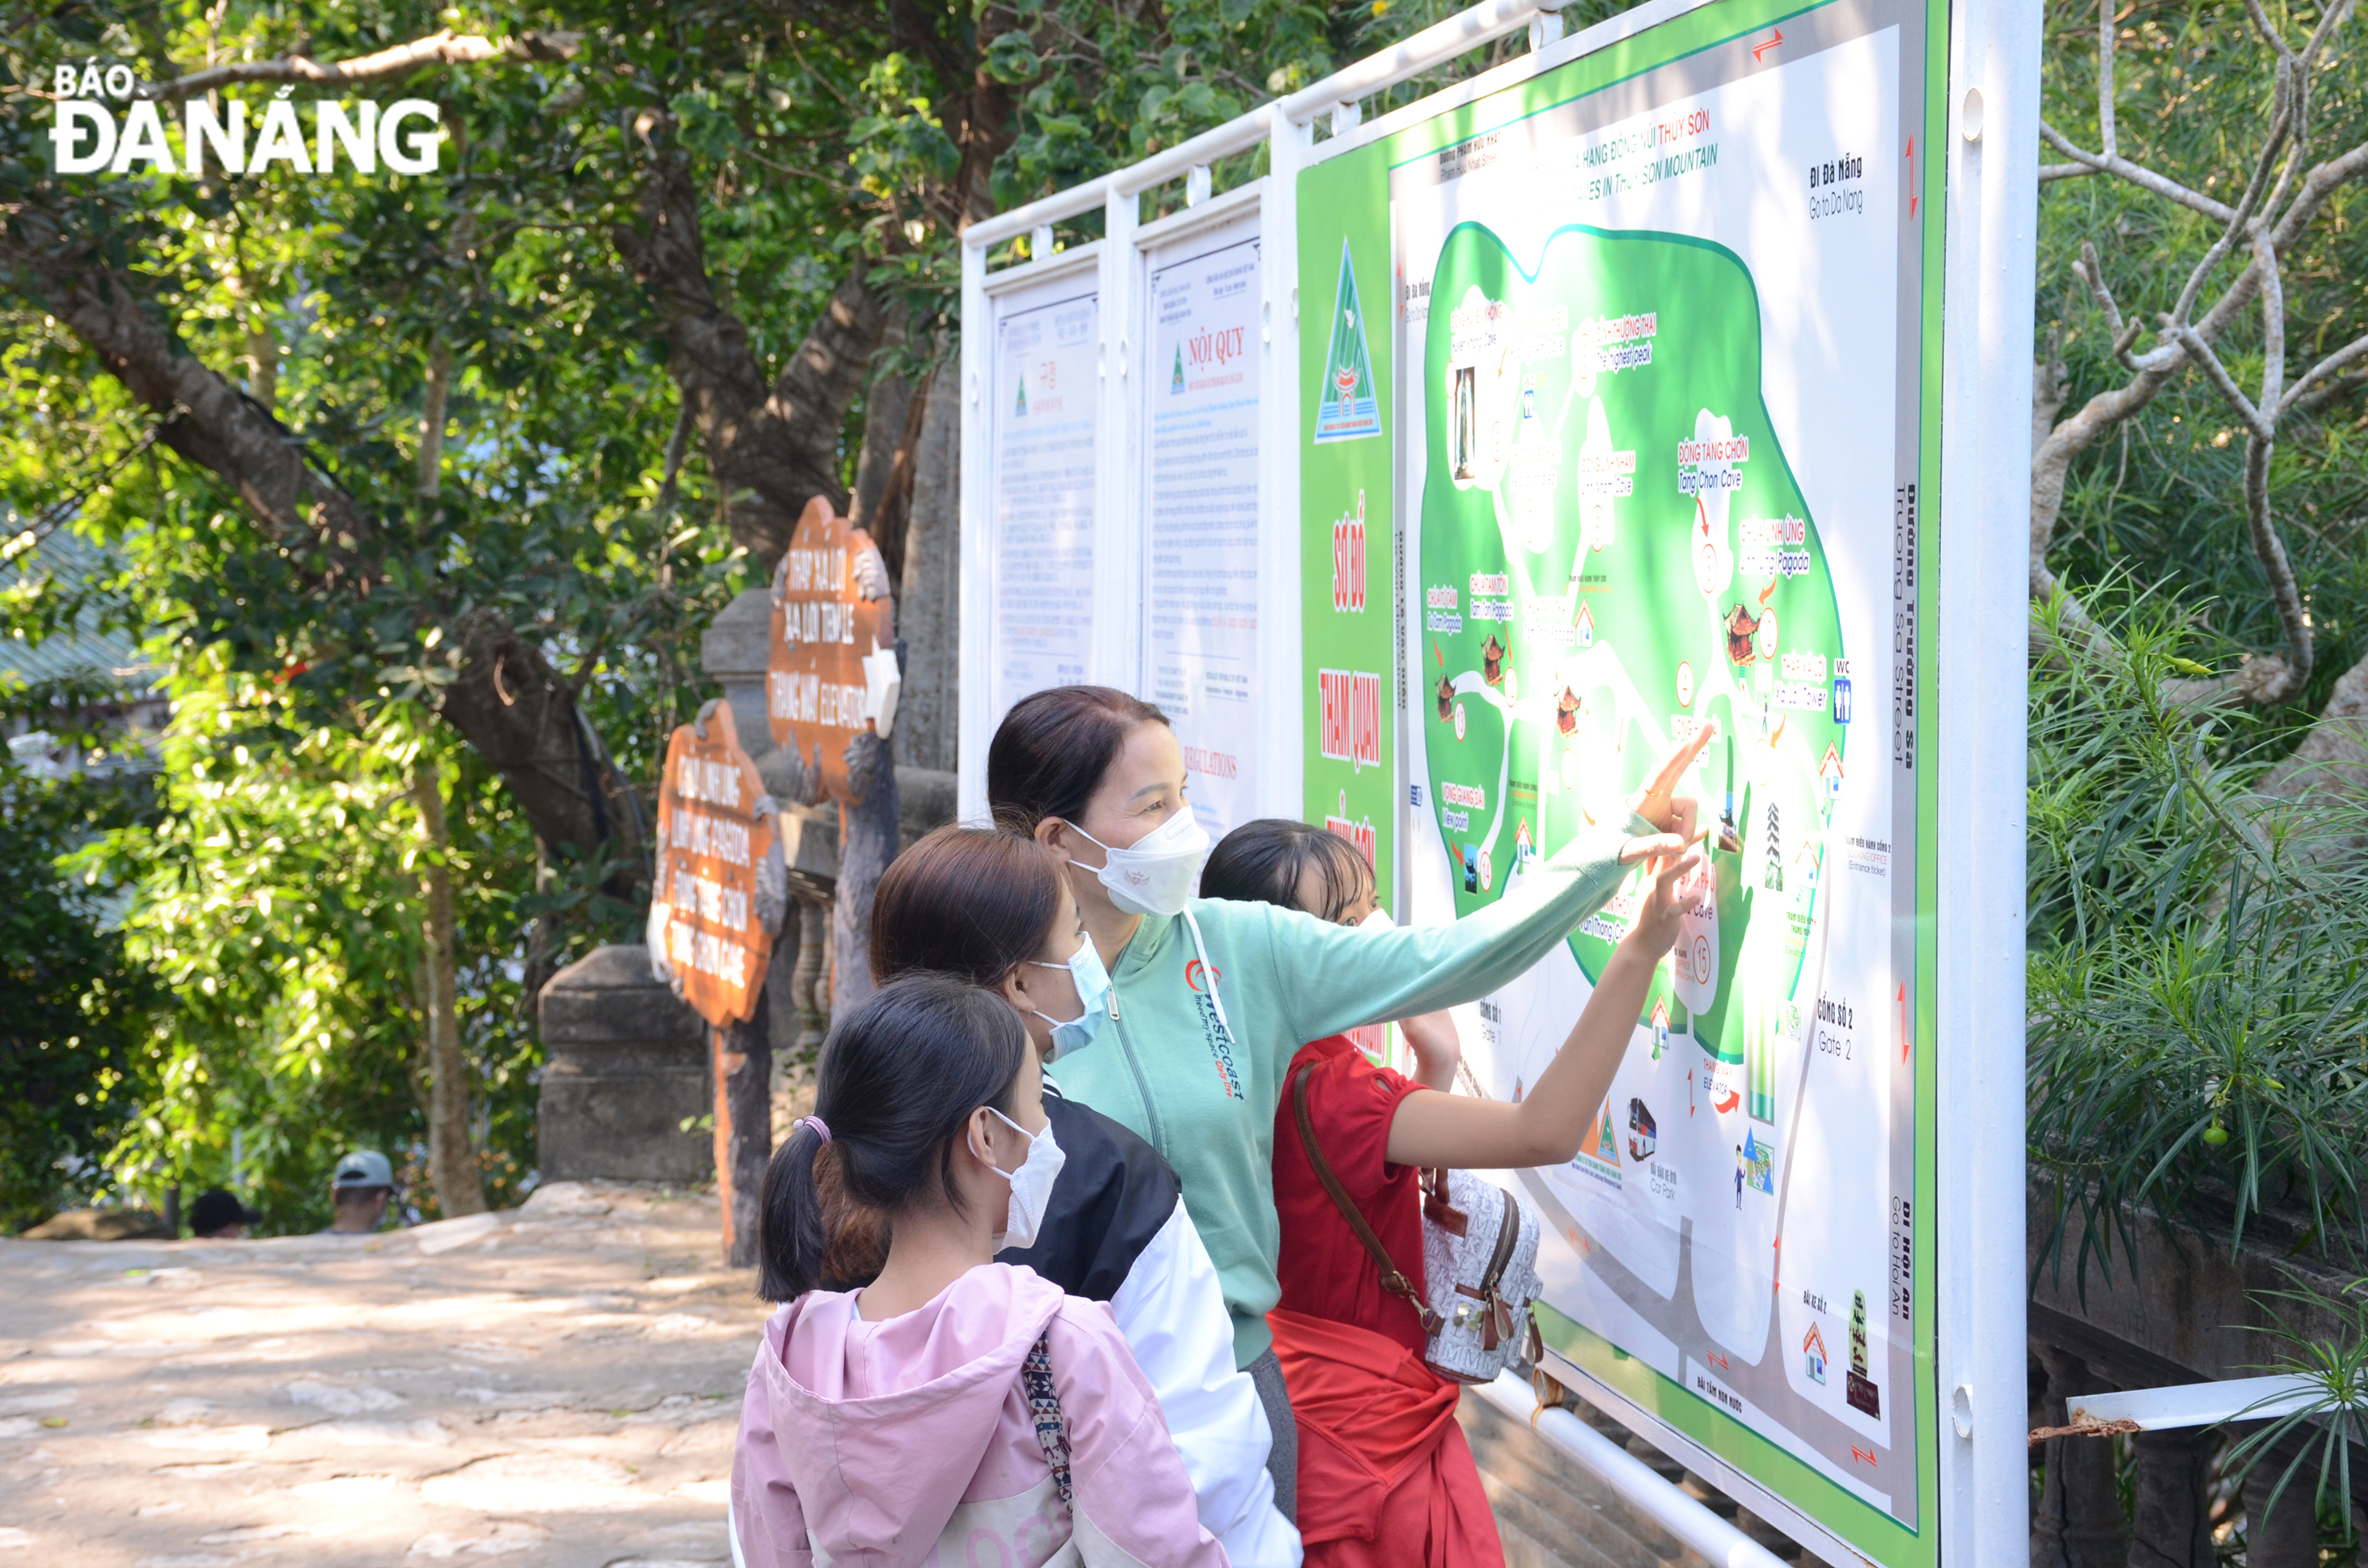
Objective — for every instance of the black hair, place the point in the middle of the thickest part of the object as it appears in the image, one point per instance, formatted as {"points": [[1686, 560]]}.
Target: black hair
{"points": [[1265, 863], [1049, 753], [901, 1071], [973, 903]]}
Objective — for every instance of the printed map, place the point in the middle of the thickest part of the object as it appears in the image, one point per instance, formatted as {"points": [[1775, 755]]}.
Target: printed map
{"points": [[1652, 480]]}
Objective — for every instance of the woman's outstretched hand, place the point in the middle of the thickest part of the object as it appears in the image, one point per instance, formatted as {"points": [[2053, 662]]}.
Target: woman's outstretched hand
{"points": [[1673, 813], [1662, 902]]}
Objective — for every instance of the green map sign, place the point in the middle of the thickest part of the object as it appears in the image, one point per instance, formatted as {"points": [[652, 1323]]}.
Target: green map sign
{"points": [[1651, 346]]}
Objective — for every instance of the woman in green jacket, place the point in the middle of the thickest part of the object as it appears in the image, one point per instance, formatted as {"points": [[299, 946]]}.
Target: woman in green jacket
{"points": [[1209, 999]]}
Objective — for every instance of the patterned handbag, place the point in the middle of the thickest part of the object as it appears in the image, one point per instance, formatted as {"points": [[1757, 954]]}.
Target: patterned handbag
{"points": [[1044, 1405], [1479, 1261]]}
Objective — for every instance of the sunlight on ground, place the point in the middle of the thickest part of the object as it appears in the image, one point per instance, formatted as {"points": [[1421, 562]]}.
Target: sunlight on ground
{"points": [[558, 1385]]}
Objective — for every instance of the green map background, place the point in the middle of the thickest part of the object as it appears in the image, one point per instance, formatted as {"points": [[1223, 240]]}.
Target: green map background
{"points": [[1650, 609], [1346, 195]]}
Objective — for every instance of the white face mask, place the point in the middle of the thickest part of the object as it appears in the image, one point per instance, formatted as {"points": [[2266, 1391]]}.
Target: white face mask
{"points": [[1086, 972], [1379, 920], [1156, 874], [1031, 1183]]}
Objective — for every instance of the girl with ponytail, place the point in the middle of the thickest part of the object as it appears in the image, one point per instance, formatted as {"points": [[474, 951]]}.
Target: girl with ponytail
{"points": [[951, 1397], [993, 909]]}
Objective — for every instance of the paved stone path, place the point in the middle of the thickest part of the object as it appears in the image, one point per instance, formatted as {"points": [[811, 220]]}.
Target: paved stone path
{"points": [[555, 1385]]}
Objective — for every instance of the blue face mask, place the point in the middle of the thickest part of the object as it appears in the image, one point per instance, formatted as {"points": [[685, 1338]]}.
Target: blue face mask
{"points": [[1093, 984]]}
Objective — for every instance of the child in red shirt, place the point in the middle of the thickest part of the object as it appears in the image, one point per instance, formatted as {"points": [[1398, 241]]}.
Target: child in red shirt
{"points": [[1385, 1478]]}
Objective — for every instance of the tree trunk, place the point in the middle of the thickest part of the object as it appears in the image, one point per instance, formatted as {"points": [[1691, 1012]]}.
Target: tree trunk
{"points": [[929, 599], [451, 1162], [771, 447]]}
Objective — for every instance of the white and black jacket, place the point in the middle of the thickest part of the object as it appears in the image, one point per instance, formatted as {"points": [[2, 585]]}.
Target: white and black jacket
{"points": [[1115, 1231]]}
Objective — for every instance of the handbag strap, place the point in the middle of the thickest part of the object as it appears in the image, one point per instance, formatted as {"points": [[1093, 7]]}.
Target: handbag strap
{"points": [[1044, 1407], [1393, 1279]]}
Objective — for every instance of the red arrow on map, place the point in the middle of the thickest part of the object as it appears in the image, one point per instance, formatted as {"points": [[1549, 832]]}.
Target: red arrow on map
{"points": [[1759, 49], [1903, 1023], [1911, 177]]}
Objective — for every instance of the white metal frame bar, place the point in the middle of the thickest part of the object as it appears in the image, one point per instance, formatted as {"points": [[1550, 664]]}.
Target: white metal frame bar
{"points": [[1989, 263], [2201, 1405], [1639, 1484]]}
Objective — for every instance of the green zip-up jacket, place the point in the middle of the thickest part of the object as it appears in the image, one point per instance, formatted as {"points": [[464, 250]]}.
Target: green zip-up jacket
{"points": [[1163, 1066]]}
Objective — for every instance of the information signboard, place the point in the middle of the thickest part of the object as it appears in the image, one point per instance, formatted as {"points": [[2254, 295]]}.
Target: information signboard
{"points": [[1631, 365], [1043, 424], [1200, 512], [719, 889], [831, 670]]}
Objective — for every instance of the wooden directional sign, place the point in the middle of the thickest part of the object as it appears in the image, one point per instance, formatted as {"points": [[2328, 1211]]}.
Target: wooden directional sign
{"points": [[832, 673], [714, 838]]}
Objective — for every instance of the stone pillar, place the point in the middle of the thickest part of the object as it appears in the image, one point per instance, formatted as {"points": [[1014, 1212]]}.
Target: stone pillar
{"points": [[2076, 1522], [2173, 1526], [2287, 1535], [743, 1073], [733, 652], [624, 1067], [867, 841], [806, 992]]}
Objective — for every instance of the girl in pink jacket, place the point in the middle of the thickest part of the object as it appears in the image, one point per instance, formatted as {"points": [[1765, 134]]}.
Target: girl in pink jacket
{"points": [[952, 1410]]}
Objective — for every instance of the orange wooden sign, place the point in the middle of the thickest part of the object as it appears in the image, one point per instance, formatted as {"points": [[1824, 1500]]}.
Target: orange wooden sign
{"points": [[831, 674], [715, 832]]}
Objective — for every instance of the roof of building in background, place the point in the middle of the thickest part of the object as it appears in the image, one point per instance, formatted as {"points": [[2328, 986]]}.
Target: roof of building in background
{"points": [[88, 650]]}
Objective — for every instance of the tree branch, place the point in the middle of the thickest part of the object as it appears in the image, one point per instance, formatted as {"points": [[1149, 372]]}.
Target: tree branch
{"points": [[770, 448], [2283, 678], [2201, 352], [2115, 163], [441, 48]]}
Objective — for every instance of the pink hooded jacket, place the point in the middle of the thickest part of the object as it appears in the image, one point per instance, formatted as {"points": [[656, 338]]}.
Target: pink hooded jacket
{"points": [[897, 1444]]}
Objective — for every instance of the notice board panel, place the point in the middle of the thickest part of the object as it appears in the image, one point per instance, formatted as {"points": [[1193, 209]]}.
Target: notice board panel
{"points": [[1043, 421], [1202, 531], [1623, 422]]}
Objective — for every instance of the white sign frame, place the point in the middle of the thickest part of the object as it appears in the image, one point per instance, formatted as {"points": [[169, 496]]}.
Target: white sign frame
{"points": [[1989, 265]]}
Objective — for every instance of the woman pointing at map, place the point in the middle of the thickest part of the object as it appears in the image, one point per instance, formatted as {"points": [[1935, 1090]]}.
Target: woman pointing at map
{"points": [[1210, 999]]}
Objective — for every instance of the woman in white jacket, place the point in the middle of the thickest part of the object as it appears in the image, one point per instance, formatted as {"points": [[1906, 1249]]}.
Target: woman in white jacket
{"points": [[993, 909]]}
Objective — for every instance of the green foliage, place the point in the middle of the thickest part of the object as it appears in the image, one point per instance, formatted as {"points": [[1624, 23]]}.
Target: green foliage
{"points": [[2199, 965], [78, 1005], [2161, 502], [277, 897], [2334, 1421]]}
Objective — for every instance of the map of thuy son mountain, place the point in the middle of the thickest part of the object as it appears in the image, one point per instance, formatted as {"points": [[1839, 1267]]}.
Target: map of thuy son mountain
{"points": [[1650, 481]]}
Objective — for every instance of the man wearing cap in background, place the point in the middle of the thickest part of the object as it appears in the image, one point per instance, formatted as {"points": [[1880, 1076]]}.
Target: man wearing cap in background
{"points": [[361, 1186], [218, 1217]]}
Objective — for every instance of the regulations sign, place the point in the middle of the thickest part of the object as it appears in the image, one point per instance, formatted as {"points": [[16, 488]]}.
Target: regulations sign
{"points": [[1045, 419], [1654, 337], [831, 673], [713, 913], [1201, 513]]}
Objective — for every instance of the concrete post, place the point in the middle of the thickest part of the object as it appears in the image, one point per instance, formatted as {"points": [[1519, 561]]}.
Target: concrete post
{"points": [[741, 1067], [2077, 1523], [2287, 1535], [2172, 1523], [623, 1070]]}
